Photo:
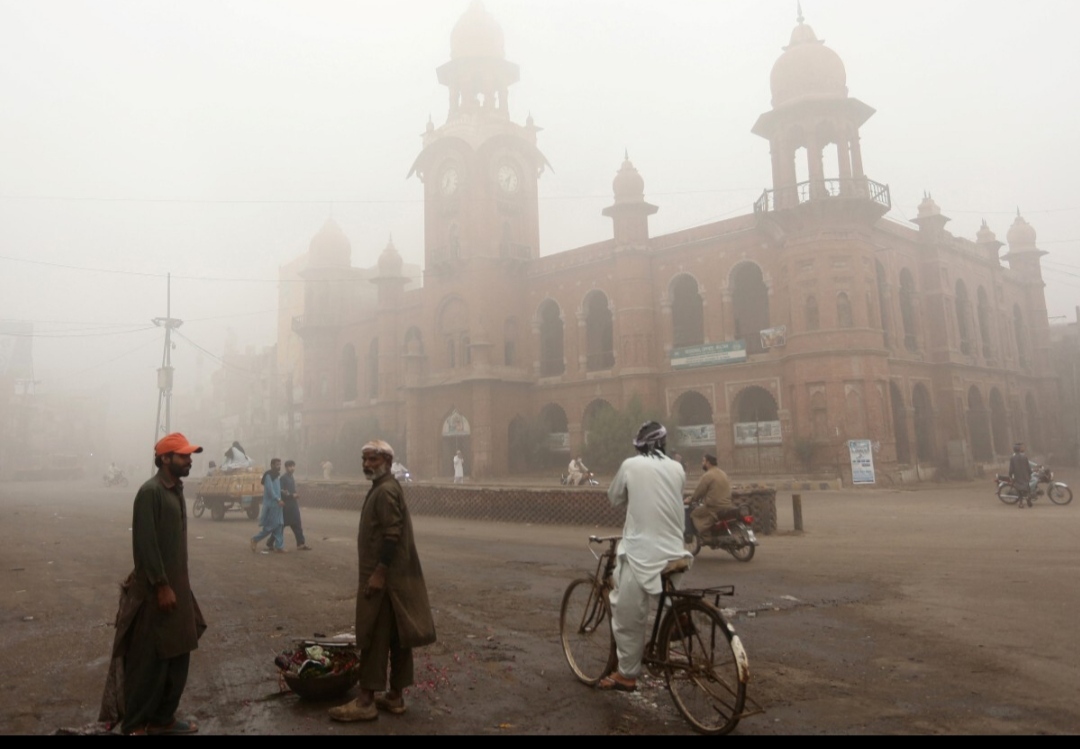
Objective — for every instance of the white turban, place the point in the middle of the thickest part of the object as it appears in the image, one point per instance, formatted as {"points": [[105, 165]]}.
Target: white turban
{"points": [[378, 446]]}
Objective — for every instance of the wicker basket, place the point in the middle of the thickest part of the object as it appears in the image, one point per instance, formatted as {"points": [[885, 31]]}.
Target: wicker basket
{"points": [[325, 687]]}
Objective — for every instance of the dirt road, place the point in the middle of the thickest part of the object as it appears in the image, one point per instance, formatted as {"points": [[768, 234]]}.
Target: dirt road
{"points": [[934, 611]]}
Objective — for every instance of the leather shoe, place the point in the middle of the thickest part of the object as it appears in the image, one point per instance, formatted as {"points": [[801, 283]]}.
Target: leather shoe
{"points": [[353, 711]]}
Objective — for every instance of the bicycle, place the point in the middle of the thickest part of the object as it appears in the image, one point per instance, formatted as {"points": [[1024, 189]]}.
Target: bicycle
{"points": [[693, 646]]}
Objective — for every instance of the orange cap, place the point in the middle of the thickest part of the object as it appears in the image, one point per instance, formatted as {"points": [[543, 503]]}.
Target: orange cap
{"points": [[175, 443]]}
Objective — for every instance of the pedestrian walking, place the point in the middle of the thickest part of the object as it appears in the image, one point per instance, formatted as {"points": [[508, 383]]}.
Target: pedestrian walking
{"points": [[271, 518], [291, 508]]}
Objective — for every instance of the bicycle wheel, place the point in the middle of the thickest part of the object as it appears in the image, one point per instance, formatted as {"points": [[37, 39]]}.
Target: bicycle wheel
{"points": [[585, 631], [705, 666]]}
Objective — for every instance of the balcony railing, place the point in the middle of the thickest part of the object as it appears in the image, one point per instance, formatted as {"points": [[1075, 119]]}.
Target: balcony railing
{"points": [[824, 189]]}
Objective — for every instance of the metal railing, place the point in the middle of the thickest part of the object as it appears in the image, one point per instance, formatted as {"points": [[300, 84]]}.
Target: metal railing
{"points": [[824, 189]]}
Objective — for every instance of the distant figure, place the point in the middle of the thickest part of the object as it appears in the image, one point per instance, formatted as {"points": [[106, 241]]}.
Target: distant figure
{"points": [[459, 468], [680, 460], [158, 623], [327, 468], [291, 510], [236, 459], [211, 468], [1020, 473], [271, 519], [578, 472]]}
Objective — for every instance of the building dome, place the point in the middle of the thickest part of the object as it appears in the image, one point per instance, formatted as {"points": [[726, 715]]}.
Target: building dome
{"points": [[1021, 233], [807, 69], [330, 247], [390, 261], [477, 34], [629, 186]]}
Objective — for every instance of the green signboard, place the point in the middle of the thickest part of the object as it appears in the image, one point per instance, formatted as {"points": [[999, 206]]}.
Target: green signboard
{"points": [[708, 355]]}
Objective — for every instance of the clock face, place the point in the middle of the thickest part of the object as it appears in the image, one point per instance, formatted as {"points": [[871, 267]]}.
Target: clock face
{"points": [[450, 182], [508, 179]]}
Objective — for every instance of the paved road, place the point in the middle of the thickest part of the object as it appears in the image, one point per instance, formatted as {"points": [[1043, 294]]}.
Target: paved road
{"points": [[939, 610]]}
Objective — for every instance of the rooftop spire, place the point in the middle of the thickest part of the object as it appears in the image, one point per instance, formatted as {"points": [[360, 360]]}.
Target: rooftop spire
{"points": [[798, 4]]}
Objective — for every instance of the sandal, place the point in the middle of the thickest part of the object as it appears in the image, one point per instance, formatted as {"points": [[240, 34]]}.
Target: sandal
{"points": [[176, 728], [613, 684], [390, 706]]}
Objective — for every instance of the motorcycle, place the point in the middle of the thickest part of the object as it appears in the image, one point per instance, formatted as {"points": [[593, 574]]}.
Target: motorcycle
{"points": [[1058, 492], [118, 479], [735, 535], [589, 480]]}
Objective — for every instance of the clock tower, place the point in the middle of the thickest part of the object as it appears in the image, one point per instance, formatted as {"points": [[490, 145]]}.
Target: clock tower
{"points": [[479, 169]]}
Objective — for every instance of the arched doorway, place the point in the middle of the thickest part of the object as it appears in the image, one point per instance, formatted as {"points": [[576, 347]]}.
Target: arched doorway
{"points": [[556, 431], [979, 427], [899, 417], [756, 423], [999, 423], [1034, 427], [695, 431], [924, 424], [907, 309], [552, 359], [518, 444], [750, 302], [456, 434]]}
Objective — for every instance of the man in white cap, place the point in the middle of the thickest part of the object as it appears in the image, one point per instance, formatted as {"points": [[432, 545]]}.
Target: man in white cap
{"points": [[650, 484], [392, 611]]}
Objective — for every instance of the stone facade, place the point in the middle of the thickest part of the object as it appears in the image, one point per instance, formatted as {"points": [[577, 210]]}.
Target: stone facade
{"points": [[772, 338]]}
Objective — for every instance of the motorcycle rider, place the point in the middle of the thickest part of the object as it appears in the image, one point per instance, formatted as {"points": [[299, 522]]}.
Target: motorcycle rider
{"points": [[1021, 475], [713, 492], [578, 472]]}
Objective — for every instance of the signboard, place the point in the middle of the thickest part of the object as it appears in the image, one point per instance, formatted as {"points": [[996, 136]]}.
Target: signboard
{"points": [[862, 461], [774, 337], [559, 442], [703, 435], [757, 433], [456, 425], [708, 355]]}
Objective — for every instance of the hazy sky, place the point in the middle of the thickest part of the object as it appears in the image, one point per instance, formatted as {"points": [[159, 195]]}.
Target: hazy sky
{"points": [[210, 139]]}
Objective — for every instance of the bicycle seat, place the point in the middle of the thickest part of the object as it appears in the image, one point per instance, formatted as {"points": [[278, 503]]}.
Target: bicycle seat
{"points": [[675, 566]]}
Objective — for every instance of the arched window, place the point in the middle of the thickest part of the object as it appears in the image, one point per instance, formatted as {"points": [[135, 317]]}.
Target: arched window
{"points": [[899, 417], [373, 369], [599, 333], [687, 312], [1020, 331], [813, 314], [696, 433], [963, 318], [984, 326], [1034, 428], [510, 334], [999, 423], [907, 310], [750, 300], [414, 342], [552, 359], [819, 417], [884, 303], [348, 373], [556, 428], [453, 328], [844, 317]]}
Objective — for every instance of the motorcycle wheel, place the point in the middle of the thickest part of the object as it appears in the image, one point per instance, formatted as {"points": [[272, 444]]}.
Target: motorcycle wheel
{"points": [[745, 551], [1008, 494], [199, 507], [1059, 494], [692, 543]]}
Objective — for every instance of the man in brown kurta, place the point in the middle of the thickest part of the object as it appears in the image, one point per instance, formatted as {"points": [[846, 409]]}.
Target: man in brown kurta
{"points": [[714, 492], [158, 623], [392, 611]]}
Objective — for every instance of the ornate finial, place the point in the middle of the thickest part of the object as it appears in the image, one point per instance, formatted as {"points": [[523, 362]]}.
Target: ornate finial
{"points": [[390, 242], [626, 154], [1018, 211], [799, 5]]}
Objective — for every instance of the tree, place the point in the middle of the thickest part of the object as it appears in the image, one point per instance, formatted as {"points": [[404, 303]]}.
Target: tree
{"points": [[610, 439]]}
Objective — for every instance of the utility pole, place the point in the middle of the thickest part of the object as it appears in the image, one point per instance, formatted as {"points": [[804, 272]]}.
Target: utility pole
{"points": [[165, 373]]}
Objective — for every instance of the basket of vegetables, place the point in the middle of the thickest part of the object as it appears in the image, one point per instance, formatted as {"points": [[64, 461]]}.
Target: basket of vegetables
{"points": [[319, 672]]}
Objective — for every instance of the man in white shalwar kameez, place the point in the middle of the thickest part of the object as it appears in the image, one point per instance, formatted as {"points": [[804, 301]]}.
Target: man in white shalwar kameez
{"points": [[651, 485]]}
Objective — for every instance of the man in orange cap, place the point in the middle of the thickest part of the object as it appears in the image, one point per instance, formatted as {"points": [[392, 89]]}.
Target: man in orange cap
{"points": [[159, 622]]}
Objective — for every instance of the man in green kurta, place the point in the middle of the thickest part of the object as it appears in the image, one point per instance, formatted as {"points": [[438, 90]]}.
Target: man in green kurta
{"points": [[392, 611], [159, 622]]}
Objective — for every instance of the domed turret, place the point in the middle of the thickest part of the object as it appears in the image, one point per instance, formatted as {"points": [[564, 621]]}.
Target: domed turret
{"points": [[390, 261], [928, 207], [477, 34], [629, 186], [1021, 234], [330, 247], [807, 69], [985, 234]]}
